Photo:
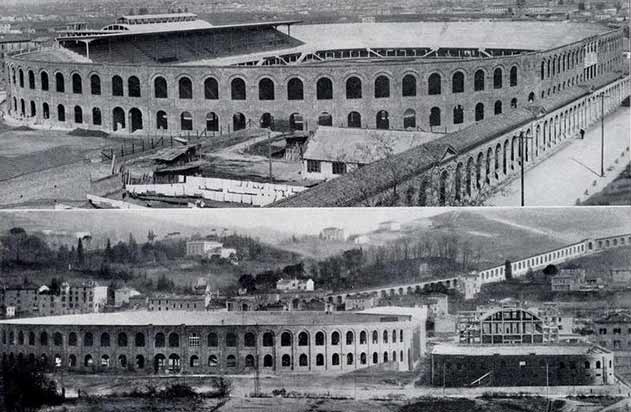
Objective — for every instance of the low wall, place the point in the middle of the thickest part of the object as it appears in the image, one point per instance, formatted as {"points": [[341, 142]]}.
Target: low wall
{"points": [[220, 190]]}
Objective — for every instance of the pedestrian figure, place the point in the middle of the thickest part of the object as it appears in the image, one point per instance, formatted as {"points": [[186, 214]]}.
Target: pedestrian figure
{"points": [[582, 133]]}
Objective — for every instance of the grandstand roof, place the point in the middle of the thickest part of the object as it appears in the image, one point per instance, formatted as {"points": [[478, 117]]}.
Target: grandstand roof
{"points": [[169, 318], [515, 350], [363, 146]]}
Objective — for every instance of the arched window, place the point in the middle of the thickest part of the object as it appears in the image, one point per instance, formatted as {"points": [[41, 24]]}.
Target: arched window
{"points": [[349, 358], [324, 89], [238, 121], [457, 82], [31, 79], [61, 113], [303, 339], [513, 76], [335, 338], [88, 339], [231, 361], [159, 341], [33, 109], [433, 84], [268, 339], [160, 90], [249, 361], [295, 89], [88, 362], [139, 340], [213, 340], [350, 337], [285, 339], [231, 340], [434, 116], [133, 86], [353, 88], [72, 361], [319, 359], [478, 80], [409, 119], [162, 122], [77, 87], [498, 107], [58, 340], [174, 340], [45, 110], [497, 78], [95, 85], [458, 114], [303, 360], [211, 89], [78, 114], [21, 75], [44, 81], [385, 336], [21, 338], [105, 339], [325, 119], [375, 358], [513, 103], [237, 88], [354, 120], [117, 86], [408, 86], [319, 339], [362, 358], [212, 122], [140, 362], [531, 97], [285, 361], [382, 87], [362, 337], [543, 66], [185, 88], [249, 340], [59, 83], [186, 121], [382, 120], [479, 112], [385, 357], [266, 89], [268, 361], [122, 339], [335, 359]]}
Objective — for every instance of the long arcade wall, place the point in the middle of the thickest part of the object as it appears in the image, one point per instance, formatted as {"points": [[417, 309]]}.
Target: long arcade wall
{"points": [[234, 348], [509, 82]]}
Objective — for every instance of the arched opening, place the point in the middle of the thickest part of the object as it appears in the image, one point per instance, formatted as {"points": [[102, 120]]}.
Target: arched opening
{"points": [[268, 361], [117, 86], [295, 89], [266, 121], [285, 339], [249, 361], [211, 89], [335, 359], [238, 121], [458, 114], [354, 120], [122, 361], [185, 88], [175, 364], [325, 119], [118, 119], [105, 340], [44, 81], [139, 340], [434, 116], [186, 121], [498, 107], [237, 89], [382, 87], [457, 82], [513, 103], [319, 359], [458, 182], [442, 190], [433, 84], [478, 80], [78, 114], [140, 362], [383, 120], [174, 340], [497, 78], [319, 338], [160, 90], [162, 122], [95, 85], [31, 80], [479, 112], [266, 89], [133, 86], [88, 339], [212, 122], [335, 338], [88, 362], [353, 88], [61, 113], [135, 116], [33, 109], [513, 76], [408, 86], [285, 361], [531, 97], [409, 119], [324, 89], [296, 121], [59, 83]]}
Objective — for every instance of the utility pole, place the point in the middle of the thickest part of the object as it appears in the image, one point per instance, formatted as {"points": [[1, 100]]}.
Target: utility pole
{"points": [[521, 161], [602, 135]]}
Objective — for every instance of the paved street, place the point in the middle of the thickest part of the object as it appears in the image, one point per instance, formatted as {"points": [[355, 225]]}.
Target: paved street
{"points": [[564, 177]]}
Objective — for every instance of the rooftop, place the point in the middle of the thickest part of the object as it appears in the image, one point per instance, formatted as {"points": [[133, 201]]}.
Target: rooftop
{"points": [[170, 318], [515, 350]]}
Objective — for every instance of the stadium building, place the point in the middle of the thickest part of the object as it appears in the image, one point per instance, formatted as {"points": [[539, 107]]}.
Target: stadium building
{"points": [[217, 342], [176, 73]]}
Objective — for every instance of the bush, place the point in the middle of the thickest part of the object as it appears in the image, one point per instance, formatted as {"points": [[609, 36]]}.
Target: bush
{"points": [[26, 388]]}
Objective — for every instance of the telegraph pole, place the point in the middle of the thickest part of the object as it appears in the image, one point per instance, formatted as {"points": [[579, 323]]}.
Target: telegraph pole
{"points": [[521, 161], [602, 135]]}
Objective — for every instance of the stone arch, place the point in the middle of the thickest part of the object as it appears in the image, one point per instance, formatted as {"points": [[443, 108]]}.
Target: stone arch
{"points": [[382, 86], [211, 89], [266, 89], [185, 87], [353, 88], [324, 89], [160, 88], [295, 89], [135, 120], [118, 118], [457, 82], [434, 86], [408, 85], [133, 87]]}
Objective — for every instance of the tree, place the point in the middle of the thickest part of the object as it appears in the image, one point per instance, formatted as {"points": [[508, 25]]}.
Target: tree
{"points": [[247, 282], [25, 387], [133, 249], [108, 254], [151, 236], [165, 284], [80, 256]]}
